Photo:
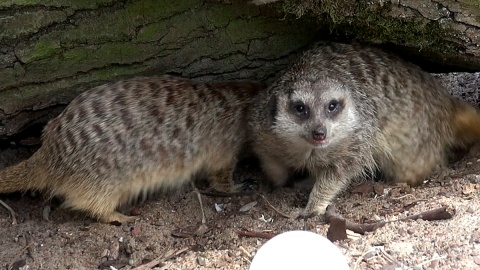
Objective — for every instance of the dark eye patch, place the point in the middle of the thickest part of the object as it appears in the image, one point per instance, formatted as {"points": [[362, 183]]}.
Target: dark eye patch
{"points": [[334, 106], [300, 109]]}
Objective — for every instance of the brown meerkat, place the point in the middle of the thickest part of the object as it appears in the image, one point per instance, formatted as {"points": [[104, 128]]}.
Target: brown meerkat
{"points": [[118, 141], [342, 110]]}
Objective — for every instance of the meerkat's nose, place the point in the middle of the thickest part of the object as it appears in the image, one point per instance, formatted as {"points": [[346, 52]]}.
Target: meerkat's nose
{"points": [[319, 134]]}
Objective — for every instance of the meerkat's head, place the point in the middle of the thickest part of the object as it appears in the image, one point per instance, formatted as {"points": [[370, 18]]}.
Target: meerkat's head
{"points": [[313, 113]]}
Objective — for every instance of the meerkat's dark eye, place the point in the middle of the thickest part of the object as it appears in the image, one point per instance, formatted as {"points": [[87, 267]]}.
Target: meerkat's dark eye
{"points": [[332, 106], [300, 109]]}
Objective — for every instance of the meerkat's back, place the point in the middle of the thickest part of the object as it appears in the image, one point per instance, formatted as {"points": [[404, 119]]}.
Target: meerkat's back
{"points": [[121, 140]]}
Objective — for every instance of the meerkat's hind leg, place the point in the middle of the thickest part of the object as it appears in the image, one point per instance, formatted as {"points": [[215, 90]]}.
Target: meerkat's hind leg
{"points": [[98, 204]]}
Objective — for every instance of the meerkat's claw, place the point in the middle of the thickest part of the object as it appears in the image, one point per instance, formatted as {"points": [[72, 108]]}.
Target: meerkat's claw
{"points": [[307, 214], [246, 185], [117, 217]]}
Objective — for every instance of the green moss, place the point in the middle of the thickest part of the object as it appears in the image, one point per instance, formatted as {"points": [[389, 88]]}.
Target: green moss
{"points": [[379, 28], [43, 49], [152, 32], [371, 23], [220, 16], [123, 53], [473, 6], [243, 30], [155, 9], [75, 55], [111, 72], [77, 4], [15, 26]]}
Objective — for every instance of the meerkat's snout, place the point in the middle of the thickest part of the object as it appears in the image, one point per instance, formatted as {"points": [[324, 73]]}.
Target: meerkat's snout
{"points": [[319, 134]]}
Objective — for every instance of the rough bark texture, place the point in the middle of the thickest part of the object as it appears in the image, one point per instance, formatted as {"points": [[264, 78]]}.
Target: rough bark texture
{"points": [[51, 50], [442, 32]]}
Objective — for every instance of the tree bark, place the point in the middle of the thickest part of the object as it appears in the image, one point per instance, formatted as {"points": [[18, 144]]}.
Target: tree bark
{"points": [[443, 33], [51, 50]]}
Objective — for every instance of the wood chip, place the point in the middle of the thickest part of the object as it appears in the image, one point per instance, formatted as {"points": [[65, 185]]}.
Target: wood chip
{"points": [[248, 206], [337, 230]]}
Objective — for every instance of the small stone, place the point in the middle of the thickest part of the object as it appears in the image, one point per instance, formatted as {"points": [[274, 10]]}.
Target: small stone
{"points": [[470, 210], [230, 254], [136, 211], [136, 230], [201, 261], [475, 237], [476, 259]]}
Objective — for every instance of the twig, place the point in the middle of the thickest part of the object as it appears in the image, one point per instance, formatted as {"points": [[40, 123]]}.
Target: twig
{"points": [[431, 260], [435, 214], [158, 260], [166, 266], [256, 234], [245, 252], [12, 213], [199, 197], [404, 196], [10, 265], [275, 209]]}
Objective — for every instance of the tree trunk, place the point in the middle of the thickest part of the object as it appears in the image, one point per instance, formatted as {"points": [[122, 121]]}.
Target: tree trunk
{"points": [[51, 50]]}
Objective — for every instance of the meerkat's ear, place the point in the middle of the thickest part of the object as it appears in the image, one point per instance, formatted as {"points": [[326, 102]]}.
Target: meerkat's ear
{"points": [[271, 109]]}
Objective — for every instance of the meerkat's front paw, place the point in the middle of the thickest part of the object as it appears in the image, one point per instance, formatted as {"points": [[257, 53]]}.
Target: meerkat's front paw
{"points": [[310, 212]]}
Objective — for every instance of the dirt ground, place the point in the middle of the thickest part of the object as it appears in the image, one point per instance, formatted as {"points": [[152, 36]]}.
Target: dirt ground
{"points": [[70, 240], [164, 232]]}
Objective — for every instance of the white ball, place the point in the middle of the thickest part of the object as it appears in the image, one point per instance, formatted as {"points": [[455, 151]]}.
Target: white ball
{"points": [[299, 250]]}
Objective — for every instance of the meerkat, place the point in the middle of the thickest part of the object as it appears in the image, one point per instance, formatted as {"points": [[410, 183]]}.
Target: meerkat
{"points": [[342, 110], [118, 141]]}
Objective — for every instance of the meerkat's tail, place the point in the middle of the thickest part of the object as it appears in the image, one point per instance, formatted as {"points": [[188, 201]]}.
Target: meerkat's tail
{"points": [[467, 123], [21, 177]]}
